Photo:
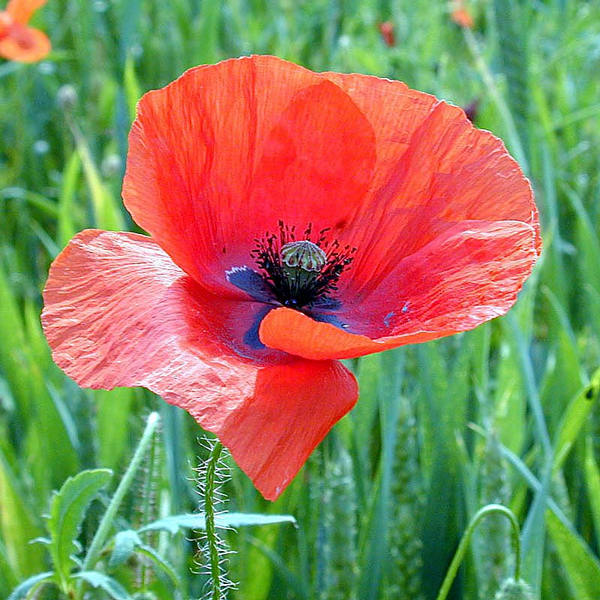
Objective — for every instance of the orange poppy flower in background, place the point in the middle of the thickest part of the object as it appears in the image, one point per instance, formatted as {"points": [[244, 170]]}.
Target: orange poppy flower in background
{"points": [[461, 15], [295, 218], [18, 41]]}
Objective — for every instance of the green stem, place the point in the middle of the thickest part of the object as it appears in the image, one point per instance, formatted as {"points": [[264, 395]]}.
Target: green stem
{"points": [[107, 520], [209, 516], [466, 538], [148, 501]]}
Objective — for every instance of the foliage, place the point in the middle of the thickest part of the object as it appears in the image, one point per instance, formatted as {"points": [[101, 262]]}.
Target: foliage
{"points": [[508, 412]]}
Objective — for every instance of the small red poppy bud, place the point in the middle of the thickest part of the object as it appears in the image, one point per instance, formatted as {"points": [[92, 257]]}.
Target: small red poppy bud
{"points": [[471, 110], [461, 15], [304, 255], [387, 33]]}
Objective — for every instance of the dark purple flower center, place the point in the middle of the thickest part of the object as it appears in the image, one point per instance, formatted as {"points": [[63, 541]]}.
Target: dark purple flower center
{"points": [[301, 273]]}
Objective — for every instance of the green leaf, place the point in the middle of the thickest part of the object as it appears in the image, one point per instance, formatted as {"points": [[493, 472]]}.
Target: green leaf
{"points": [[581, 566], [573, 419], [514, 60], [375, 548], [592, 480], [132, 87], [66, 228], [295, 583], [107, 211], [363, 415], [173, 523], [99, 580], [160, 562], [67, 512], [12, 362], [40, 421], [18, 523], [112, 425], [125, 544], [23, 589]]}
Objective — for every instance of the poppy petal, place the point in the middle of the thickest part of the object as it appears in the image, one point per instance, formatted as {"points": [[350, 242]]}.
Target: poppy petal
{"points": [[464, 277], [300, 149], [21, 10], [317, 162], [472, 177], [24, 44], [272, 434], [100, 300], [394, 111], [434, 169], [119, 312]]}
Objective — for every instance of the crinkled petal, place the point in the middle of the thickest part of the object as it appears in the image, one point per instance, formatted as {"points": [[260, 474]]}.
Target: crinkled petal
{"points": [[316, 163], [24, 44], [449, 172], [464, 277], [119, 312], [227, 151], [294, 406], [394, 111], [386, 169], [434, 169]]}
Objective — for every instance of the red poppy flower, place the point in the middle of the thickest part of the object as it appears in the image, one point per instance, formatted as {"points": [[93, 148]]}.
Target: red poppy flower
{"points": [[295, 218], [17, 40]]}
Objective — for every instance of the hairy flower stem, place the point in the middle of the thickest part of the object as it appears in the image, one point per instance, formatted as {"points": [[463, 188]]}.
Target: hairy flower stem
{"points": [[109, 516], [210, 486], [466, 538]]}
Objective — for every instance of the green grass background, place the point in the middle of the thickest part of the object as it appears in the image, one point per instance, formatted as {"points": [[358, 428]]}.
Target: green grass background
{"points": [[506, 413]]}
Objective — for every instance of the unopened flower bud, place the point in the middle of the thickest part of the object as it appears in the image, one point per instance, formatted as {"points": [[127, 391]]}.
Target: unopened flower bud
{"points": [[41, 147], [66, 97], [514, 590], [387, 33], [111, 165], [471, 110]]}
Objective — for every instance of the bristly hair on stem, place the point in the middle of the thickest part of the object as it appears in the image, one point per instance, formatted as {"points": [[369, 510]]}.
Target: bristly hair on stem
{"points": [[211, 475]]}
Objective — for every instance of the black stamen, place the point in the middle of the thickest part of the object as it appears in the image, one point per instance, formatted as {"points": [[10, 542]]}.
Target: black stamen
{"points": [[300, 291]]}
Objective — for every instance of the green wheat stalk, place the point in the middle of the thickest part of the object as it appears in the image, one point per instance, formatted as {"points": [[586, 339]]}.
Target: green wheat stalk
{"points": [[404, 579]]}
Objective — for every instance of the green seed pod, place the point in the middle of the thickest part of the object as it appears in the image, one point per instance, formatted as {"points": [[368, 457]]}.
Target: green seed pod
{"points": [[302, 261], [303, 255]]}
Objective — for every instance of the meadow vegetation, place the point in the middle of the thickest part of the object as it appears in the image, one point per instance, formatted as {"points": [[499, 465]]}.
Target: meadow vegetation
{"points": [[507, 413]]}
